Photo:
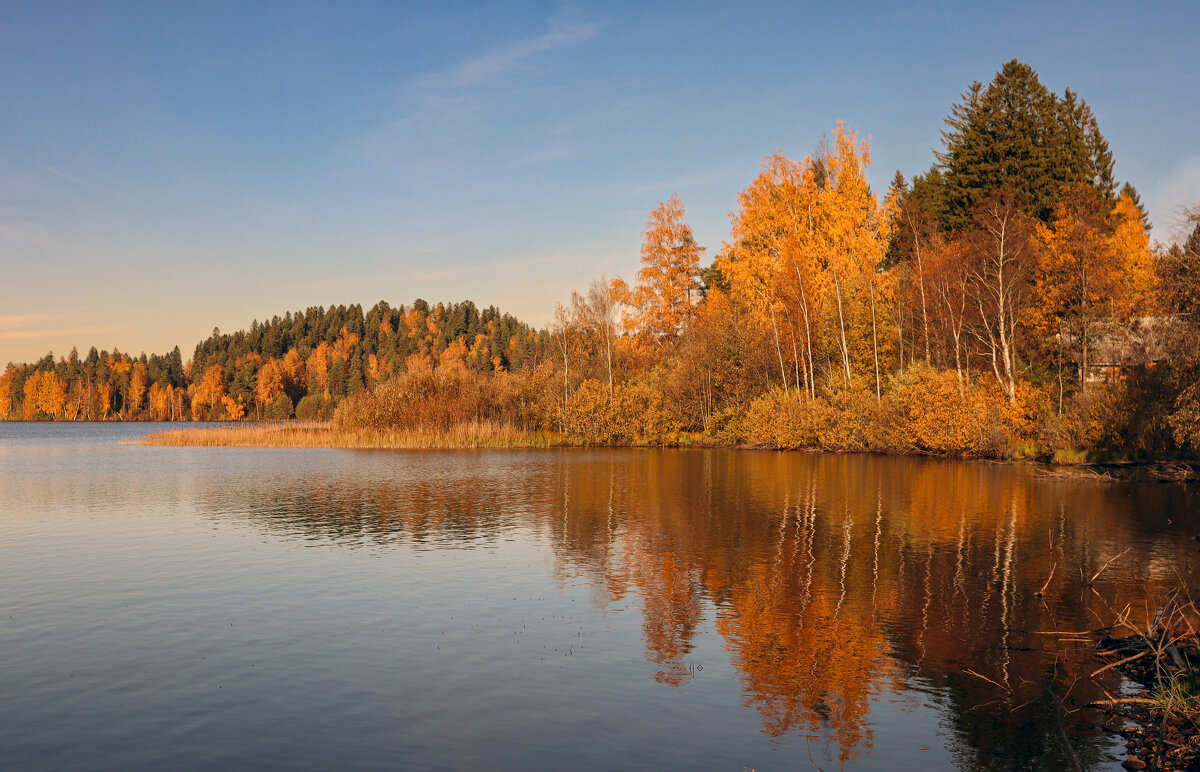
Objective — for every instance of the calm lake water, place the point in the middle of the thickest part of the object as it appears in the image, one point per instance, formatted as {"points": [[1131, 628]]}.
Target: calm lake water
{"points": [[715, 609]]}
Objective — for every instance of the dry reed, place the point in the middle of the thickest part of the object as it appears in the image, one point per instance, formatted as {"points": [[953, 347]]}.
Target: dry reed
{"points": [[328, 435]]}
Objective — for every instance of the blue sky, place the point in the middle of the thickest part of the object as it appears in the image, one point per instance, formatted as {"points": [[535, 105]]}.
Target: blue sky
{"points": [[168, 167]]}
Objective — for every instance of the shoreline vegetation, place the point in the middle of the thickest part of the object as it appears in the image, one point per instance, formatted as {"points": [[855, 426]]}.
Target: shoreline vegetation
{"points": [[298, 434], [1000, 310], [327, 435]]}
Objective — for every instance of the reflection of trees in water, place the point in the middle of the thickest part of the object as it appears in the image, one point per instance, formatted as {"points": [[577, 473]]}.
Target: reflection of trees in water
{"points": [[834, 578], [349, 507], [671, 613], [800, 624]]}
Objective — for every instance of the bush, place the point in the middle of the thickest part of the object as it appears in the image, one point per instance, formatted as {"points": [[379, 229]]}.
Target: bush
{"points": [[842, 420], [930, 411], [280, 409], [632, 413], [313, 407], [924, 411]]}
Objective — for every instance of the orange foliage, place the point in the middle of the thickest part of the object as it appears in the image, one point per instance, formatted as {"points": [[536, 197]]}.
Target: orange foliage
{"points": [[138, 383], [234, 410], [269, 384], [415, 363], [45, 394], [160, 401], [317, 368], [209, 395], [6, 380], [344, 345], [664, 298], [295, 375], [1130, 246]]}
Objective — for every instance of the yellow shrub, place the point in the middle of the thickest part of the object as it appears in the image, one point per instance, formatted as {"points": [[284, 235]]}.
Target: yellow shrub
{"points": [[632, 413]]}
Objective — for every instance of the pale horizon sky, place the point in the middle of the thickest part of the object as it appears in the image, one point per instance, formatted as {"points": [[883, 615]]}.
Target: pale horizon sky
{"points": [[166, 168]]}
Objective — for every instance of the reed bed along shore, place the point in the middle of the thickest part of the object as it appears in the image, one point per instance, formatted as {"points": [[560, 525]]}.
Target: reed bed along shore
{"points": [[329, 435]]}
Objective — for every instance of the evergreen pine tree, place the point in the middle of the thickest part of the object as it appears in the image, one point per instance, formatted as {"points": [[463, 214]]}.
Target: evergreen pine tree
{"points": [[1017, 134]]}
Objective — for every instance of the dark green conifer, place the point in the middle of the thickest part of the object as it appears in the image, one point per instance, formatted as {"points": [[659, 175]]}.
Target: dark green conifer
{"points": [[1017, 134]]}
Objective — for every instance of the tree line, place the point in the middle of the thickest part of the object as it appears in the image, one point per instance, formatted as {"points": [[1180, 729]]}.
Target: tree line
{"points": [[1008, 301], [299, 365]]}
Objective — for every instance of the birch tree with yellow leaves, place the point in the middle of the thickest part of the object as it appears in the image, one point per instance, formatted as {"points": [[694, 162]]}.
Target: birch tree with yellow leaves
{"points": [[769, 260], [663, 301], [808, 241]]}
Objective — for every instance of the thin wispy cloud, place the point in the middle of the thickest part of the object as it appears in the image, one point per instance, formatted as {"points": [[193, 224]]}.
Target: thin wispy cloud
{"points": [[507, 58], [62, 332], [12, 321], [460, 105]]}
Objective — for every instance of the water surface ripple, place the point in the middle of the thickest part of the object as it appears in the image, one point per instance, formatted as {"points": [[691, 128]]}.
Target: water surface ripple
{"points": [[598, 609]]}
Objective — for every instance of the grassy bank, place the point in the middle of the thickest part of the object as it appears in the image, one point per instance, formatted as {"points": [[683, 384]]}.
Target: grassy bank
{"points": [[293, 434], [329, 435]]}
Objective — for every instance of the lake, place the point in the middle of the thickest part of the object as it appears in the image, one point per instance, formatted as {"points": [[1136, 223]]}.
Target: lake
{"points": [[564, 608]]}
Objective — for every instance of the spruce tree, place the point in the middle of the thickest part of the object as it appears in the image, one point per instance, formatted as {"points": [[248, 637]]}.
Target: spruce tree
{"points": [[1015, 133]]}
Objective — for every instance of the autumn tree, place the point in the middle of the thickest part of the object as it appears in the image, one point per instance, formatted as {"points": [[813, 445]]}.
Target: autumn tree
{"points": [[598, 312], [138, 383], [915, 233], [268, 386], [294, 374], [1094, 272], [317, 368], [1129, 245], [857, 230], [809, 239], [104, 399], [721, 362], [1075, 275], [208, 396], [951, 281], [160, 401], [1001, 250], [6, 385], [234, 409], [772, 263], [45, 394], [562, 331], [668, 282], [1180, 271]]}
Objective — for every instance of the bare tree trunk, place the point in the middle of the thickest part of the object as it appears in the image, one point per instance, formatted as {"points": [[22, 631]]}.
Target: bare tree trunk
{"points": [[795, 354], [997, 282], [812, 376], [875, 343], [842, 327], [779, 350]]}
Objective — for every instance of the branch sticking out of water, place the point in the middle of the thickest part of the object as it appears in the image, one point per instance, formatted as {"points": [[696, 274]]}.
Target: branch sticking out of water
{"points": [[1040, 593], [1096, 575]]}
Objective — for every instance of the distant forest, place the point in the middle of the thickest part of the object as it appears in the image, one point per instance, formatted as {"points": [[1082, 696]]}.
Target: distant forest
{"points": [[1006, 302], [299, 365]]}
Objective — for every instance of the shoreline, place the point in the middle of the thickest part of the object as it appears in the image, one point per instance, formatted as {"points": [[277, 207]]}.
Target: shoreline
{"points": [[473, 436], [328, 436]]}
